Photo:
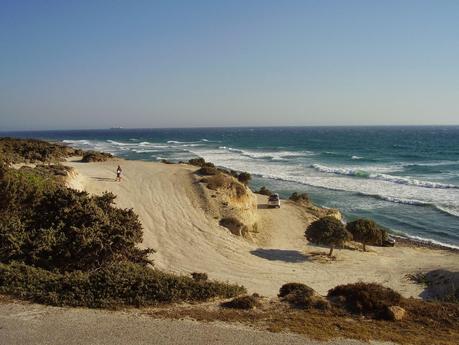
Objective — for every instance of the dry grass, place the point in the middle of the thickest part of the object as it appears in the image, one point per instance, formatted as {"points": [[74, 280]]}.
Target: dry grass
{"points": [[222, 181], [422, 322]]}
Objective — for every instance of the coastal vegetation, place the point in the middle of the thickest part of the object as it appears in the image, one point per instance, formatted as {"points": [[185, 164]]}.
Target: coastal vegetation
{"points": [[367, 232], [65, 247], [328, 231], [264, 191], [299, 197], [14, 150], [95, 156]]}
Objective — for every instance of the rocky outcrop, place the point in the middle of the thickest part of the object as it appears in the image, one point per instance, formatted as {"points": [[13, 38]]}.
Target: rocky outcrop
{"points": [[230, 202], [396, 313]]}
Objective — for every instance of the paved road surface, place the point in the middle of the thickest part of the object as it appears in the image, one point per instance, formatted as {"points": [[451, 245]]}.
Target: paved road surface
{"points": [[39, 325]]}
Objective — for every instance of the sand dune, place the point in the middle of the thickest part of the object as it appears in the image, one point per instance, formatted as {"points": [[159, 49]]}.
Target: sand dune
{"points": [[188, 239]]}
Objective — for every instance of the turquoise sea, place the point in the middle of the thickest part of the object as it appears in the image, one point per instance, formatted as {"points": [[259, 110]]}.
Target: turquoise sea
{"points": [[405, 178]]}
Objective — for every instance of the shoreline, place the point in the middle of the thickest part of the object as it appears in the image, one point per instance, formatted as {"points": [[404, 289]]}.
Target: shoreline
{"points": [[416, 243]]}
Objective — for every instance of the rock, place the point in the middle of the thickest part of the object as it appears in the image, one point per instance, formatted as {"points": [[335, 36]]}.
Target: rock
{"points": [[396, 313]]}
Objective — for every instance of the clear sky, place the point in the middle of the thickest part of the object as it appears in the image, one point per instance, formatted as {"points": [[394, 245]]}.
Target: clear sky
{"points": [[97, 64]]}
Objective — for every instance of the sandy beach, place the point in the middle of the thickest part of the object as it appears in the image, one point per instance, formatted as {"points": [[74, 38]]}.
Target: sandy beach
{"points": [[188, 238]]}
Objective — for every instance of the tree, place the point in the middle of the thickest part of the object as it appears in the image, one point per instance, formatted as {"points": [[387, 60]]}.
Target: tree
{"points": [[366, 231], [329, 231]]}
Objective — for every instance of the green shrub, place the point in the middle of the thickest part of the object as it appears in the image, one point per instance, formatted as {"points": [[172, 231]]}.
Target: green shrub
{"points": [[120, 283], [94, 156], [45, 224], [368, 299], [14, 150], [242, 302], [244, 177], [303, 197], [264, 191], [329, 231], [367, 232]]}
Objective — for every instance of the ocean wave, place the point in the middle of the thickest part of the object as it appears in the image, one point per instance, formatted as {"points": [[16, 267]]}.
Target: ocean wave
{"points": [[273, 155], [117, 143], [383, 177], [77, 142], [356, 157]]}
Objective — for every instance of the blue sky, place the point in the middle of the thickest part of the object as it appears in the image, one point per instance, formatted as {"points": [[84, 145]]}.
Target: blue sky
{"points": [[97, 64]]}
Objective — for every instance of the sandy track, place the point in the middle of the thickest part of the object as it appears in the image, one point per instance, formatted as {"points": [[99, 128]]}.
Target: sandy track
{"points": [[188, 240]]}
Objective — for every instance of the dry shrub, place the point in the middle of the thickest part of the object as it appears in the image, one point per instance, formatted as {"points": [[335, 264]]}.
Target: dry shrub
{"points": [[197, 276], [288, 288], [244, 177], [223, 181], [367, 299], [243, 302], [302, 198], [199, 162], [207, 171], [234, 225], [264, 191], [302, 296]]}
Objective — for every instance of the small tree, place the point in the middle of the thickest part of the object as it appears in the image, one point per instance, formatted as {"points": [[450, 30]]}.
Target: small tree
{"points": [[329, 231], [366, 232]]}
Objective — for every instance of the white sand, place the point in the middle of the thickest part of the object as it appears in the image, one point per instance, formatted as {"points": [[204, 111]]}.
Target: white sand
{"points": [[189, 240]]}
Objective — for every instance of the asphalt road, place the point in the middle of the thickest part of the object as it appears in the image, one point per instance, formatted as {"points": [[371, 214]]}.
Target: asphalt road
{"points": [[24, 324]]}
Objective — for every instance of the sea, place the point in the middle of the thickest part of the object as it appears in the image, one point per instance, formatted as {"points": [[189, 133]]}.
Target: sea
{"points": [[404, 178]]}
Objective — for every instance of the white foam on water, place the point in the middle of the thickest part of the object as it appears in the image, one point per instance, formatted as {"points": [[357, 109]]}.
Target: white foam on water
{"points": [[366, 173]]}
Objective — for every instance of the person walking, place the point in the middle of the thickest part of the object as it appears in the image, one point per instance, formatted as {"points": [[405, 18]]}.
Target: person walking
{"points": [[118, 174]]}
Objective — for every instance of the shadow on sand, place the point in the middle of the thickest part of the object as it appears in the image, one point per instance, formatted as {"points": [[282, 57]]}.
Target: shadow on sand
{"points": [[262, 206], [292, 256], [105, 179]]}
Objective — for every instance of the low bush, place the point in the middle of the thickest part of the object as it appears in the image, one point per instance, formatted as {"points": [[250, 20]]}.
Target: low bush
{"points": [[302, 296], [117, 284], [303, 197], [289, 288], [264, 191], [367, 299], [329, 231], [199, 162], [244, 177], [94, 156], [199, 276], [207, 171], [243, 302]]}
